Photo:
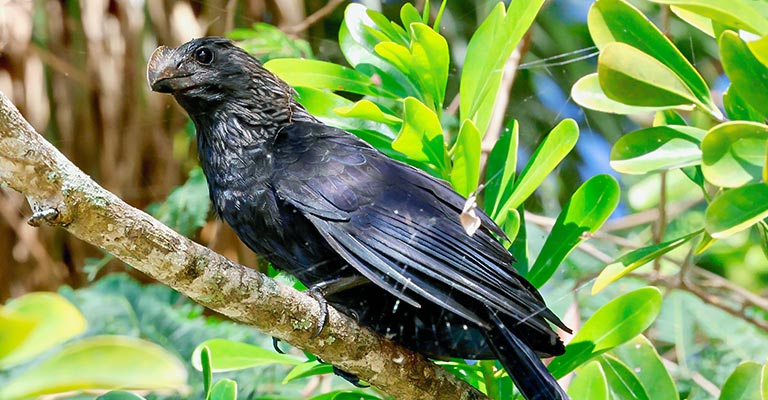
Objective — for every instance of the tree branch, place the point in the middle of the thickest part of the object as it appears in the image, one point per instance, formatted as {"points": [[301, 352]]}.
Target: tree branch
{"points": [[61, 194]]}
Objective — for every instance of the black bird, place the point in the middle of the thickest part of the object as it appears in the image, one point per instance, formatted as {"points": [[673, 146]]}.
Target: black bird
{"points": [[378, 239]]}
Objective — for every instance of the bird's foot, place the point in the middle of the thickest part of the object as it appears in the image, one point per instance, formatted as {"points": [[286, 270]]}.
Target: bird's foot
{"points": [[353, 379], [276, 345], [318, 294], [320, 290]]}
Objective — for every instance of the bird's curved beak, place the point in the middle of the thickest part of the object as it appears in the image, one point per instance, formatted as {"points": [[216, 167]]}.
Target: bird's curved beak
{"points": [[164, 74]]}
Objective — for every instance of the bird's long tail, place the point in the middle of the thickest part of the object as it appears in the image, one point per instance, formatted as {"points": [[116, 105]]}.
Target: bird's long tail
{"points": [[530, 375]]}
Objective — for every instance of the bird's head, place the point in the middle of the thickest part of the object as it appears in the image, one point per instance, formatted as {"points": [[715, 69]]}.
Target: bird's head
{"points": [[206, 73]]}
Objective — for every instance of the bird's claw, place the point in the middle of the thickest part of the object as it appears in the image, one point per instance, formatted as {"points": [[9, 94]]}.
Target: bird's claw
{"points": [[276, 345], [317, 294], [353, 379]]}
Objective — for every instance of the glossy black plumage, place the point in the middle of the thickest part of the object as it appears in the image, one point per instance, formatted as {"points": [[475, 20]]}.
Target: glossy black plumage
{"points": [[323, 205]]}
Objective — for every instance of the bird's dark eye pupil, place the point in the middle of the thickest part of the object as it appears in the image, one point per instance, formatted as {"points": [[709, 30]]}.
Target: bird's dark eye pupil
{"points": [[204, 56]]}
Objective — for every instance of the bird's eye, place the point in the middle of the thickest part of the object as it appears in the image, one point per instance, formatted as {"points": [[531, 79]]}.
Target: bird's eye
{"points": [[204, 55]]}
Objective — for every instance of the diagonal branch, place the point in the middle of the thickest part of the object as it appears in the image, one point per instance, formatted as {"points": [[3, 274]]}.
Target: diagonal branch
{"points": [[61, 194]]}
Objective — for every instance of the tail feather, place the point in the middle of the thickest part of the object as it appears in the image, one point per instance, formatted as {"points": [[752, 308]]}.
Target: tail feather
{"points": [[530, 375]]}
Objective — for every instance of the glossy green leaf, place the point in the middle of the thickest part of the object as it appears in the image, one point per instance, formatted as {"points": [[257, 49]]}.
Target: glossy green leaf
{"points": [[743, 383], [764, 383], [587, 93], [759, 49], [357, 38], [612, 325], [590, 383], [366, 109], [55, 321], [425, 61], [421, 137], [698, 21], [100, 362], [225, 389], [733, 153], [636, 259], [207, 369], [323, 104], [736, 209], [500, 170], [409, 15], [644, 361], [465, 173], [386, 30], [622, 381], [120, 395], [324, 75], [309, 368], [629, 76], [553, 149], [584, 213], [227, 355], [511, 225], [736, 13], [345, 395], [612, 21], [736, 108], [14, 330], [656, 149], [749, 77], [487, 52]]}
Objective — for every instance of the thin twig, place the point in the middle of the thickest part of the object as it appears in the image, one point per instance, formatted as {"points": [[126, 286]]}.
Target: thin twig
{"points": [[314, 18]]}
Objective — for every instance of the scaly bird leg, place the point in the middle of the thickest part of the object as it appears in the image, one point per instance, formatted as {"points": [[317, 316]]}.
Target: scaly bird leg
{"points": [[320, 290]]}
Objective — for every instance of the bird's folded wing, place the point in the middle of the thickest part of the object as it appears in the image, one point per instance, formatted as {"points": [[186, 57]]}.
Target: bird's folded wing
{"points": [[400, 228]]}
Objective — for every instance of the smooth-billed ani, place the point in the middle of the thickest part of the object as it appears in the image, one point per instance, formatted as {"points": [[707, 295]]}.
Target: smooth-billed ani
{"points": [[378, 239]]}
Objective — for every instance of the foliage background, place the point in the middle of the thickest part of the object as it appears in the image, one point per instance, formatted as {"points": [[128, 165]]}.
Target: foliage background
{"points": [[76, 71]]}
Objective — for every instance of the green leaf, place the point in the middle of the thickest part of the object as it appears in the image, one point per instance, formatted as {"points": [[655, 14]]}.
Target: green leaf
{"points": [[590, 383], [764, 383], [636, 259], [357, 39], [465, 173], [345, 395], [225, 389], [633, 77], [586, 211], [205, 366], [656, 149], [733, 153], [736, 108], [41, 320], [227, 355], [120, 395], [487, 52], [366, 109], [736, 13], [587, 93], [500, 170], [641, 357], [323, 105], [759, 49], [553, 149], [623, 382], [100, 362], [736, 209], [749, 77], [612, 325], [743, 383], [324, 75], [612, 21], [700, 22], [425, 62], [409, 15], [309, 368], [421, 137]]}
